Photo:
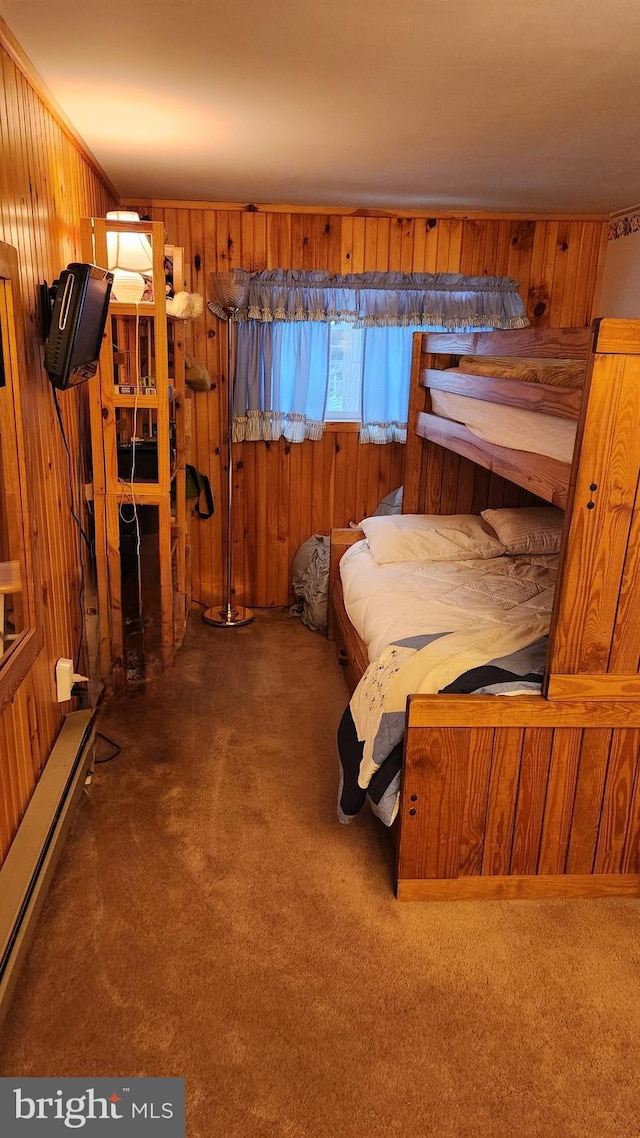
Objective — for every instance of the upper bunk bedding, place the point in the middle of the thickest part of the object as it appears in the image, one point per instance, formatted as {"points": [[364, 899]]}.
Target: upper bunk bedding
{"points": [[522, 428], [477, 622], [527, 369]]}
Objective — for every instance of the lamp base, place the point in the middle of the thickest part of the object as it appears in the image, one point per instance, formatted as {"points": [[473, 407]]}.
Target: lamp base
{"points": [[228, 617]]}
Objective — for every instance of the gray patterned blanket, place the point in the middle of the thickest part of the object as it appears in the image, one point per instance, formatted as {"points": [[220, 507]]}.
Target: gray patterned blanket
{"points": [[508, 659]]}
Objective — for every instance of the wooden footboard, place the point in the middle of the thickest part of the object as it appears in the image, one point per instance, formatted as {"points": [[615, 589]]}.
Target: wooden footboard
{"points": [[519, 797], [352, 652], [510, 796]]}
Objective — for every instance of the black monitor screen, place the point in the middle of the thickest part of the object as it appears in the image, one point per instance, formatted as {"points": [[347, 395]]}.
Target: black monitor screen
{"points": [[77, 324]]}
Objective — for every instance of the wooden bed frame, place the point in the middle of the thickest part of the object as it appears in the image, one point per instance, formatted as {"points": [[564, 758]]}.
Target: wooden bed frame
{"points": [[530, 796]]}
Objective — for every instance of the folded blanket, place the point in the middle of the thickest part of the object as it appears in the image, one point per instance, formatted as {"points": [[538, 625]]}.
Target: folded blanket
{"points": [[551, 372], [499, 660]]}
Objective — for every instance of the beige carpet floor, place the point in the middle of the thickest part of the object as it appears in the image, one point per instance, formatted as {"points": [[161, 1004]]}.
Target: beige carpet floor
{"points": [[210, 918]]}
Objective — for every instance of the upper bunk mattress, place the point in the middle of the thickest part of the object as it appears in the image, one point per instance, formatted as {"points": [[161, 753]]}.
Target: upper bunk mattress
{"points": [[387, 603], [515, 427]]}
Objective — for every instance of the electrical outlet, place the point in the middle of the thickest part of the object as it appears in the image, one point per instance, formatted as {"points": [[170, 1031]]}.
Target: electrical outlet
{"points": [[66, 678]]}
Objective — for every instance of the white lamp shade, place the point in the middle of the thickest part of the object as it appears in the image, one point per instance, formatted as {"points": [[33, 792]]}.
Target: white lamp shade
{"points": [[128, 288], [128, 251]]}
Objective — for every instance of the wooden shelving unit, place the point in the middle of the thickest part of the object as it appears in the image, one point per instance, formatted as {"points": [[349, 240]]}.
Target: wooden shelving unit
{"points": [[139, 443]]}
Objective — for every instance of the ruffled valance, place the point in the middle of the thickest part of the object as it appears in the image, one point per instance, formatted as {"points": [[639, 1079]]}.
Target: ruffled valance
{"points": [[268, 426], [437, 301]]}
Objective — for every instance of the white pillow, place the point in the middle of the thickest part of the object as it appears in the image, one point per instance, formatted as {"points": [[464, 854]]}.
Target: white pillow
{"points": [[529, 529], [430, 537]]}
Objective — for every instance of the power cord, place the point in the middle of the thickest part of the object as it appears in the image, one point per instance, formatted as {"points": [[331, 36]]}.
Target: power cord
{"points": [[83, 536], [131, 490], [83, 533], [117, 749]]}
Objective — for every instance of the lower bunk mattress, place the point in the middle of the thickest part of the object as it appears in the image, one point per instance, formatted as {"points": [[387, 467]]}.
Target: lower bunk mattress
{"points": [[465, 627]]}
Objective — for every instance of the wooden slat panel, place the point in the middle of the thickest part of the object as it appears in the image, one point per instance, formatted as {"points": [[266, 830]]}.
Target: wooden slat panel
{"points": [[587, 804], [625, 644], [525, 802], [432, 803], [502, 800], [563, 774], [476, 801], [532, 790], [631, 850], [618, 800]]}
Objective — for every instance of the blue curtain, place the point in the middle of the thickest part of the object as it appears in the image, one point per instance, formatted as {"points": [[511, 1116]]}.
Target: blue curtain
{"points": [[385, 384], [281, 381]]}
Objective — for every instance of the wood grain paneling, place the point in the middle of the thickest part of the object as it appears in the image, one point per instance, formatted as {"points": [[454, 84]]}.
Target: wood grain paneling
{"points": [[489, 803], [46, 185], [285, 492], [601, 553]]}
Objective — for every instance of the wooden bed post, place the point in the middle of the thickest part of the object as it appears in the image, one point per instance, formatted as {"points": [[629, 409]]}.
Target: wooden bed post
{"points": [[595, 637], [418, 401]]}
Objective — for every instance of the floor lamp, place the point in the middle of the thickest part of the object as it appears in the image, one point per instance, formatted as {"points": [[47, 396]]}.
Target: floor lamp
{"points": [[229, 293]]}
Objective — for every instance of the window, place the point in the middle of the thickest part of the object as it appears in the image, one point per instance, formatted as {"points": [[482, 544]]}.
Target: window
{"points": [[344, 390], [293, 377], [314, 347]]}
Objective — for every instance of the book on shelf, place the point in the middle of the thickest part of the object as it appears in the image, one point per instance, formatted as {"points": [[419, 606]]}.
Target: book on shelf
{"points": [[143, 390]]}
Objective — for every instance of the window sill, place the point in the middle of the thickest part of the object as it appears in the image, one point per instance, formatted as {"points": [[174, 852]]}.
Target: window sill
{"points": [[336, 427]]}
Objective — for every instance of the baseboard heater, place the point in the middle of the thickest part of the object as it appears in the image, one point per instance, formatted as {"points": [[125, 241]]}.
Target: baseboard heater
{"points": [[28, 868]]}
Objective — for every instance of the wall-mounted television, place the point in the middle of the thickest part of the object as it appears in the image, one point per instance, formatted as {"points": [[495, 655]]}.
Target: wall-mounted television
{"points": [[78, 320]]}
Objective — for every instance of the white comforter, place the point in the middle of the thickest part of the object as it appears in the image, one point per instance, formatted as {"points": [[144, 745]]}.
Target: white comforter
{"points": [[387, 603]]}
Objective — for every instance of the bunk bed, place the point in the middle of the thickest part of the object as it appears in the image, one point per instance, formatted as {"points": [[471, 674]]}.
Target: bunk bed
{"points": [[533, 795]]}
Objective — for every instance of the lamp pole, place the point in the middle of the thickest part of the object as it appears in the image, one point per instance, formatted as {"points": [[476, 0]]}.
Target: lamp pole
{"points": [[230, 290]]}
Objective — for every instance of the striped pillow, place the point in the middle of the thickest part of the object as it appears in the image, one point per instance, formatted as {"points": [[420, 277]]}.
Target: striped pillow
{"points": [[531, 529]]}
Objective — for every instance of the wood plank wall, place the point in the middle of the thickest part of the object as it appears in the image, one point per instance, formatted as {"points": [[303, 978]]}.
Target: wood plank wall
{"points": [[286, 492], [46, 186]]}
